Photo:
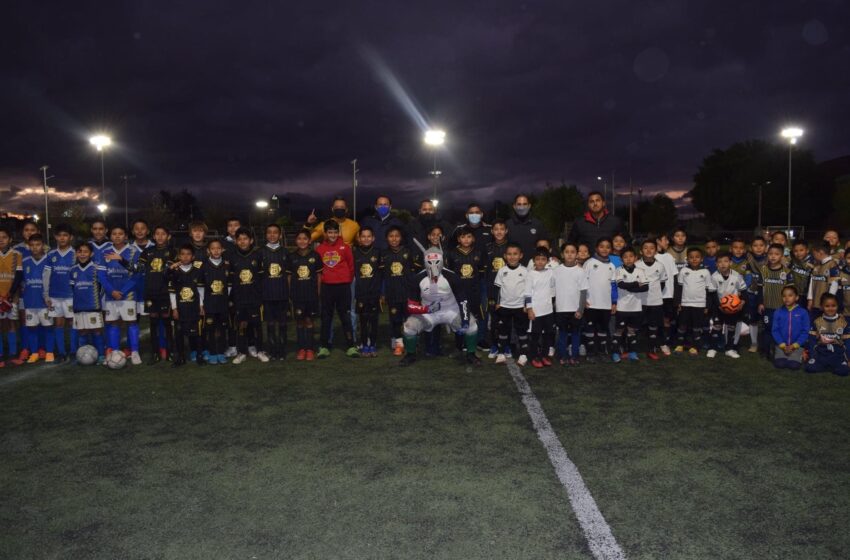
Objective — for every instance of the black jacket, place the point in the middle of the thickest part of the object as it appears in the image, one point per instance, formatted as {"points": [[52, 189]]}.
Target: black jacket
{"points": [[588, 230], [380, 227], [526, 232]]}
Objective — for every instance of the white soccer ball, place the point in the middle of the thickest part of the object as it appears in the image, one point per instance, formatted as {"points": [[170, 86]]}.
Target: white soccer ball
{"points": [[116, 360], [87, 355]]}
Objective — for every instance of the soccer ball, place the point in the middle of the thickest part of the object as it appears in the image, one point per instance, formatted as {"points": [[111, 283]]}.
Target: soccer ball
{"points": [[116, 360], [731, 304], [87, 355]]}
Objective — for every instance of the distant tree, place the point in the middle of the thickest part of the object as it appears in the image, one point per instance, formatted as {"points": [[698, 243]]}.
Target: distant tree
{"points": [[726, 185], [71, 213], [841, 204], [657, 214], [556, 205]]}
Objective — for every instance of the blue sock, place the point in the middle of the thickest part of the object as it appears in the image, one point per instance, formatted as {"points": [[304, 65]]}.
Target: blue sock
{"points": [[46, 335], [1, 346], [98, 343], [32, 340], [562, 343], [59, 338], [13, 344], [133, 336], [42, 337], [75, 343], [576, 343], [113, 336], [82, 340], [25, 335]]}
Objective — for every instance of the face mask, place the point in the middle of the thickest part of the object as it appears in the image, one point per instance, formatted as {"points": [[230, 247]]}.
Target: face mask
{"points": [[522, 211], [339, 212], [383, 211], [474, 219]]}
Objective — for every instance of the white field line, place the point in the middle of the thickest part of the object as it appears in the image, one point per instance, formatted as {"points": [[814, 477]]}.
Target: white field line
{"points": [[596, 530]]}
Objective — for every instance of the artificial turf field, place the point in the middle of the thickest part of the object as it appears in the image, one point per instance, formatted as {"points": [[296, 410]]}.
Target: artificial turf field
{"points": [[356, 458]]}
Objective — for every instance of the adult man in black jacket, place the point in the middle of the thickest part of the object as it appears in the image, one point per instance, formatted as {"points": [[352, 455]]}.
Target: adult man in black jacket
{"points": [[382, 220], [420, 226], [595, 223], [524, 229]]}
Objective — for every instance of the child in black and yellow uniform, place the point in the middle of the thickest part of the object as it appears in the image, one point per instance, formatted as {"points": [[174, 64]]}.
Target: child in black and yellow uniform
{"points": [[828, 339], [773, 276], [305, 266], [397, 263], [186, 292], [215, 274], [367, 290]]}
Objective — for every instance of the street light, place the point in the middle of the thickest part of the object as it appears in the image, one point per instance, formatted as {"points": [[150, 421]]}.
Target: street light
{"points": [[101, 142], [262, 204], [434, 139], [435, 202], [102, 207], [791, 134]]}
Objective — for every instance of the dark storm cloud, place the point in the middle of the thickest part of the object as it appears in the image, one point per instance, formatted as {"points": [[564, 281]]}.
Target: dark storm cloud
{"points": [[261, 97]]}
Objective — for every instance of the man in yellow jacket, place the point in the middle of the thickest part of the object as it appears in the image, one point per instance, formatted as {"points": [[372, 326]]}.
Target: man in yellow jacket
{"points": [[348, 228]]}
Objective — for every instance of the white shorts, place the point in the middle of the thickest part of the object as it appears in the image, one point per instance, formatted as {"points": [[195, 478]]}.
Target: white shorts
{"points": [[415, 324], [61, 308], [38, 317], [86, 320], [120, 310], [12, 314]]}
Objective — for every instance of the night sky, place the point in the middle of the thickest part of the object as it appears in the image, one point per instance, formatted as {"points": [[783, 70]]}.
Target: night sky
{"points": [[257, 98]]}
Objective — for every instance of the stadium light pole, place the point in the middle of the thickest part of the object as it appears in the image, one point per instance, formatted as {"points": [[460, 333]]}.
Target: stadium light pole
{"points": [[44, 176], [354, 171], [760, 186], [604, 186], [101, 142], [791, 134], [434, 139], [126, 179]]}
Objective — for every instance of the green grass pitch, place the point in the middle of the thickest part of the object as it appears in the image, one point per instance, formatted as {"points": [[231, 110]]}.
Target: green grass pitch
{"points": [[356, 458]]}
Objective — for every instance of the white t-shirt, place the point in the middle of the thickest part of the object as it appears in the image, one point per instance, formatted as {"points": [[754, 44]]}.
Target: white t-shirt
{"points": [[656, 274], [732, 284], [630, 301], [511, 284], [694, 285], [570, 281], [540, 287], [600, 275], [669, 263]]}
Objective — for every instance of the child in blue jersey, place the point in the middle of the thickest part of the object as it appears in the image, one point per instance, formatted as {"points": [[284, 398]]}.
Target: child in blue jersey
{"points": [[87, 297], [39, 324], [118, 274], [57, 286], [709, 260], [99, 241], [28, 228]]}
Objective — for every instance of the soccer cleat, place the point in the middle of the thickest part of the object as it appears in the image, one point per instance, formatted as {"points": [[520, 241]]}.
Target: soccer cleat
{"points": [[323, 353], [546, 361], [501, 359], [591, 359], [163, 354], [522, 360], [33, 358], [252, 351], [711, 353], [472, 359], [693, 352], [633, 357], [508, 353], [230, 352], [582, 350], [262, 356], [352, 352], [309, 355], [101, 360], [135, 359], [127, 353], [679, 349], [615, 357], [536, 363], [407, 360], [398, 350], [49, 357], [652, 355], [494, 351], [193, 356], [753, 349], [665, 350], [573, 362], [239, 359], [301, 355], [733, 354], [24, 355], [41, 354]]}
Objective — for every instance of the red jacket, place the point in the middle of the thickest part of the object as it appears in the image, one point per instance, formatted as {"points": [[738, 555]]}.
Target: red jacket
{"points": [[337, 261]]}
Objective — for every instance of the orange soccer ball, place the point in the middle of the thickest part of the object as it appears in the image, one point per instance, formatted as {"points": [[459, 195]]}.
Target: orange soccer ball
{"points": [[731, 304]]}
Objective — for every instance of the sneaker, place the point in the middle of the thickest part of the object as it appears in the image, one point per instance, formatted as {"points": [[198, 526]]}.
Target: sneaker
{"points": [[591, 359], [615, 357], [522, 360], [679, 349], [323, 353], [509, 353], [633, 357], [252, 351], [41, 354], [665, 350], [551, 352], [753, 349], [693, 352], [398, 349], [193, 356], [309, 355], [24, 355], [239, 358], [582, 350], [494, 351], [301, 355], [573, 362], [501, 359], [101, 360], [2, 364], [177, 362], [33, 358], [230, 352], [537, 363], [546, 361], [472, 359], [127, 353], [711, 353], [211, 359], [163, 354], [262, 356], [135, 359], [352, 352], [652, 355], [49, 357], [407, 360], [733, 354]]}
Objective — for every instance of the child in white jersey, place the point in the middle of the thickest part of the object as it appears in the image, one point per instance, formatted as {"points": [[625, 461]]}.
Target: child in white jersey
{"points": [[601, 299], [631, 285], [723, 326], [693, 300], [668, 294], [539, 293], [652, 300], [511, 309], [570, 299]]}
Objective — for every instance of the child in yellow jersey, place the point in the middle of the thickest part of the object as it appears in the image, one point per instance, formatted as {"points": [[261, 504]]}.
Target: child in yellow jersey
{"points": [[11, 273]]}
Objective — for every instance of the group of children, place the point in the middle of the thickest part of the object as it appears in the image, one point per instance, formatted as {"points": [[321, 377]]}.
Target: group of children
{"points": [[612, 300]]}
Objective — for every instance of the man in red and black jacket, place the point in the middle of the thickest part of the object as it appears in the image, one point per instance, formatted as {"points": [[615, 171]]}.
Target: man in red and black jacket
{"points": [[596, 223]]}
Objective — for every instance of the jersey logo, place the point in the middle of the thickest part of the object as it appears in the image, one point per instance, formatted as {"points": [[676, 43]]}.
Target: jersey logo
{"points": [[311, 260], [331, 258], [497, 263], [198, 264], [274, 270], [466, 271], [533, 231], [217, 287], [156, 265], [187, 295], [303, 272], [365, 270], [396, 269], [246, 276]]}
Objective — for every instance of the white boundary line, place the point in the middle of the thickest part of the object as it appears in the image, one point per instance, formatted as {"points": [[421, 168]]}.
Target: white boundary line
{"points": [[596, 530]]}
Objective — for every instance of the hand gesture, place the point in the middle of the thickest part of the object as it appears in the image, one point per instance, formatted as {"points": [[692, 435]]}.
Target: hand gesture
{"points": [[116, 295], [112, 257], [311, 219]]}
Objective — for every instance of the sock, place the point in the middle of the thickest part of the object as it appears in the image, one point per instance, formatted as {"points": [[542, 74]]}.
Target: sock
{"points": [[42, 337], [82, 339], [309, 338], [98, 343], [13, 344], [113, 336], [1, 346], [410, 344], [155, 333], [168, 328], [32, 340], [59, 337], [754, 334], [75, 343], [133, 336], [562, 343], [471, 342], [161, 334]]}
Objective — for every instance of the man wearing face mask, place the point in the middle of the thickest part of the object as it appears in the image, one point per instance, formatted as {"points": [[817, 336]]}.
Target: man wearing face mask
{"points": [[524, 229], [420, 226], [348, 228], [596, 222], [475, 222], [382, 220]]}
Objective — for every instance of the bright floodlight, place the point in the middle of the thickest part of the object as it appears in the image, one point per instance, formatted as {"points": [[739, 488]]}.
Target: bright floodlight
{"points": [[262, 204], [100, 141], [435, 137], [598, 178], [35, 217], [791, 133], [102, 207], [435, 202]]}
